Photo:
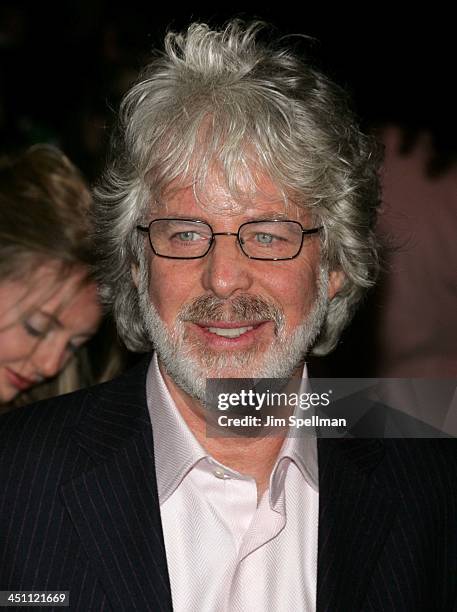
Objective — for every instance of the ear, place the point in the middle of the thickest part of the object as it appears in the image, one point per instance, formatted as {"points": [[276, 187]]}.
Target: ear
{"points": [[135, 274], [336, 280]]}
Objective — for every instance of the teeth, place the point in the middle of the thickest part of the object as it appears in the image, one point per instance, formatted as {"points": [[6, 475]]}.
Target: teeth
{"points": [[229, 333]]}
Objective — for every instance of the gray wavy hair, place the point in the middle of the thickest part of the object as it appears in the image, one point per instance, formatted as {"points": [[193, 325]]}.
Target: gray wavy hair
{"points": [[226, 97]]}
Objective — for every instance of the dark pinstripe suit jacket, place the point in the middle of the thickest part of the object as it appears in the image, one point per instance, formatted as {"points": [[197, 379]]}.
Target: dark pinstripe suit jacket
{"points": [[79, 510]]}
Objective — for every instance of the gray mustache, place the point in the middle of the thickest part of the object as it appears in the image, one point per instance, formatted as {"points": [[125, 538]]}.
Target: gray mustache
{"points": [[247, 307]]}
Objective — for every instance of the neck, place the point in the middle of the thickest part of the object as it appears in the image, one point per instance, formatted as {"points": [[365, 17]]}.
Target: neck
{"points": [[250, 456]]}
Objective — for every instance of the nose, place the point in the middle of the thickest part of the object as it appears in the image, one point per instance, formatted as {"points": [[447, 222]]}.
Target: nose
{"points": [[49, 358], [227, 270]]}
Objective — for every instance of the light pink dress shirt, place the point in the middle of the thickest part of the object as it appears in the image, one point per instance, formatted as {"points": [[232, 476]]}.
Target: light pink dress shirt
{"points": [[224, 552]]}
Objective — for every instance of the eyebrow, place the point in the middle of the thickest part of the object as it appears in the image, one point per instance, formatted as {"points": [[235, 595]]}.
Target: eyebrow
{"points": [[52, 317]]}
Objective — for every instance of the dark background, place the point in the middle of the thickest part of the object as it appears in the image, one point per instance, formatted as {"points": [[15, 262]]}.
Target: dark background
{"points": [[65, 66]]}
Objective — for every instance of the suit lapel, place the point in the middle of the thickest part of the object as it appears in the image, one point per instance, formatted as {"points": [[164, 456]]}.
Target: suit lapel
{"points": [[115, 510], [355, 516], [114, 506]]}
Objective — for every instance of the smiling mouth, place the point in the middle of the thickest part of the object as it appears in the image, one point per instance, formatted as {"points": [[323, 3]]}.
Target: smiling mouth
{"points": [[20, 382], [230, 331], [234, 332]]}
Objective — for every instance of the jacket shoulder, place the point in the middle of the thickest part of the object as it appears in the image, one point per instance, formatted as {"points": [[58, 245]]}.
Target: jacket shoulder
{"points": [[47, 426]]}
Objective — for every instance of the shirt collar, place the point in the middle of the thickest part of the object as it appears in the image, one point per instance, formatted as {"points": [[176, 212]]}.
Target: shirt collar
{"points": [[177, 451]]}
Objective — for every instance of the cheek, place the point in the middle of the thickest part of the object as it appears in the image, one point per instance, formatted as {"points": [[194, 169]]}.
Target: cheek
{"points": [[170, 289], [92, 318], [14, 346], [293, 286], [295, 291]]}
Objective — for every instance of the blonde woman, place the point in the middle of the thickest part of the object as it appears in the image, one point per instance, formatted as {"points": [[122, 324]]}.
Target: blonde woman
{"points": [[48, 300]]}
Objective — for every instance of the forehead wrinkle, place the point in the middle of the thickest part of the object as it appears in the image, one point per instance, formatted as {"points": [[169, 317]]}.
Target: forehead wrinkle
{"points": [[252, 210], [214, 195]]}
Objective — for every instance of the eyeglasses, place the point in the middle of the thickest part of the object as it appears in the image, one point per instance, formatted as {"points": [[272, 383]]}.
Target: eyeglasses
{"points": [[190, 239]]}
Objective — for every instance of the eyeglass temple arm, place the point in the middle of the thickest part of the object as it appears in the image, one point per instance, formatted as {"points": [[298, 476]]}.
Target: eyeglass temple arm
{"points": [[313, 230]]}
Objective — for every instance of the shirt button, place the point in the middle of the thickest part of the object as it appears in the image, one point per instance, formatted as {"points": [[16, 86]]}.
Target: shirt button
{"points": [[220, 474]]}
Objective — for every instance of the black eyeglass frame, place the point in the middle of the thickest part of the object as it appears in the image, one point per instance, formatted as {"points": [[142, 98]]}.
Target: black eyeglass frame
{"points": [[304, 232]]}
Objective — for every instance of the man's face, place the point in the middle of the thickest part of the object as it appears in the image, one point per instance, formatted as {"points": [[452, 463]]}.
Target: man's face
{"points": [[273, 309]]}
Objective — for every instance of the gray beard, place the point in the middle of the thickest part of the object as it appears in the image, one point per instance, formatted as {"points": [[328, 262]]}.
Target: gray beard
{"points": [[190, 368]]}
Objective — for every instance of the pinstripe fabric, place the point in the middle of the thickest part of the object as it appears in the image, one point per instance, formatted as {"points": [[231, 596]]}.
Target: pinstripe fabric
{"points": [[388, 525], [79, 510], [79, 507]]}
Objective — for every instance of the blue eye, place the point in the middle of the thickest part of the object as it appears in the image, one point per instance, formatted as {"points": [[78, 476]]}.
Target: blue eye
{"points": [[263, 238], [188, 236]]}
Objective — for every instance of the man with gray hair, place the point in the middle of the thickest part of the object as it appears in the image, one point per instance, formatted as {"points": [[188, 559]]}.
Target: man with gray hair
{"points": [[235, 231]]}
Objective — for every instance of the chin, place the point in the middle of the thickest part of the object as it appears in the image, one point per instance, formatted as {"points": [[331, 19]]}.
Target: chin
{"points": [[7, 395], [239, 364]]}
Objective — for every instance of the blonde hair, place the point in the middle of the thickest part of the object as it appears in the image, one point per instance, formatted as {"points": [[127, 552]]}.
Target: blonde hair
{"points": [[45, 218], [44, 212]]}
